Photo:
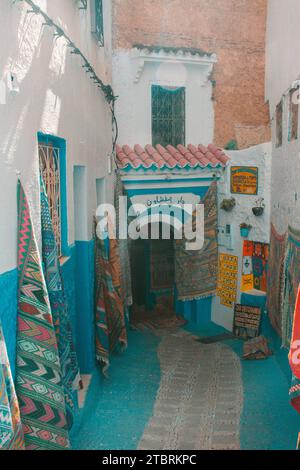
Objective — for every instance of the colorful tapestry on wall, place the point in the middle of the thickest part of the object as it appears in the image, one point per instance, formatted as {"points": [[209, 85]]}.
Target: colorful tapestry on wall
{"points": [[196, 271], [255, 266], [123, 246], [294, 357], [294, 353], [110, 318], [11, 429], [291, 284], [228, 279], [38, 375], [59, 308]]}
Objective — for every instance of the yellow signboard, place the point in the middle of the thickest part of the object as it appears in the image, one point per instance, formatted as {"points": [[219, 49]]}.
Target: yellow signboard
{"points": [[247, 282], [227, 279], [244, 180]]}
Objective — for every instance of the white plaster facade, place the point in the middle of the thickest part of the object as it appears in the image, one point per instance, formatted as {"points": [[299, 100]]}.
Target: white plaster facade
{"points": [[260, 157], [282, 70], [55, 97], [135, 71]]}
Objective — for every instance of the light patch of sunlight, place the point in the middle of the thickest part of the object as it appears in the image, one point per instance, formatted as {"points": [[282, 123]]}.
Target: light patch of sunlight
{"points": [[58, 58], [10, 148], [42, 4], [29, 34], [167, 71], [51, 113]]}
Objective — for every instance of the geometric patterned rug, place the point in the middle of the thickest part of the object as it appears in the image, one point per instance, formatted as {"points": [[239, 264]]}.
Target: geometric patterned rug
{"points": [[38, 374]]}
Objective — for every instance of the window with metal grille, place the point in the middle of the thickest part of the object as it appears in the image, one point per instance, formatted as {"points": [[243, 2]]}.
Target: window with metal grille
{"points": [[49, 160], [168, 115], [279, 116], [293, 113], [97, 20]]}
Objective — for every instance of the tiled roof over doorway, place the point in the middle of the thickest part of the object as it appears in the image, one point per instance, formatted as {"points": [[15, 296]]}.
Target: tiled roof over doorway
{"points": [[170, 157]]}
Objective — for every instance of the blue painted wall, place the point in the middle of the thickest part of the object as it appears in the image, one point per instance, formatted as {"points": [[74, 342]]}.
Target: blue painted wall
{"points": [[196, 311], [84, 282], [68, 274], [78, 278], [8, 312]]}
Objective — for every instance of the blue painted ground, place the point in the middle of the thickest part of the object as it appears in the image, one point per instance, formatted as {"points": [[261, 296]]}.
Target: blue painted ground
{"points": [[117, 411], [268, 421]]}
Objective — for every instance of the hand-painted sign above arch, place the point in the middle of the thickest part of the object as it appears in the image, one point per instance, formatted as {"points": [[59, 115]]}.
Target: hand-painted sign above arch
{"points": [[244, 180]]}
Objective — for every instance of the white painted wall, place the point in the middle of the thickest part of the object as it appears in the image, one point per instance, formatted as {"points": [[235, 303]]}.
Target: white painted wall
{"points": [[56, 97], [133, 108], [282, 69], [258, 156]]}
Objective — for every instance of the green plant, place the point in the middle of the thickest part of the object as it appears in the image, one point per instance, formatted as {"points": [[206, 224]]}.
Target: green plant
{"points": [[231, 145], [244, 225]]}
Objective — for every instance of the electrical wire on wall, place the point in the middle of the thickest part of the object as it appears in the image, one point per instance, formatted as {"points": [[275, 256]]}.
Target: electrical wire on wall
{"points": [[87, 66]]}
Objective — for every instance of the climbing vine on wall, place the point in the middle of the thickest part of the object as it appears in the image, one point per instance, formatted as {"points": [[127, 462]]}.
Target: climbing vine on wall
{"points": [[87, 66]]}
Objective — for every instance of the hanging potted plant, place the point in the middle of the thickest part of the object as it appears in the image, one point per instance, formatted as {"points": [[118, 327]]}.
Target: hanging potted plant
{"points": [[259, 207], [228, 204], [245, 229]]}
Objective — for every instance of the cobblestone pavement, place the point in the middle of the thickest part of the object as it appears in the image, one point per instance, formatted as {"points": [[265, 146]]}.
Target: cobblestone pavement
{"points": [[199, 402]]}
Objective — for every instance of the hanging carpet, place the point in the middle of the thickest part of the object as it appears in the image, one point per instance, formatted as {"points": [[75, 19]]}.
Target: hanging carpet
{"points": [[295, 393], [111, 331], [276, 279], [38, 375], [196, 271], [11, 430], [294, 355], [291, 284], [59, 309]]}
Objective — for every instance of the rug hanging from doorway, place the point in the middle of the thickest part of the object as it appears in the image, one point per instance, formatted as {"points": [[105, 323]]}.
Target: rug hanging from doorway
{"points": [[123, 246], [38, 374], [196, 271], [291, 284], [59, 308], [11, 430], [276, 279], [111, 331]]}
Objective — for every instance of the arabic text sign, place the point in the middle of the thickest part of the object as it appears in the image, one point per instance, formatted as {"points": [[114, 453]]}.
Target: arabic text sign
{"points": [[244, 180], [247, 321], [154, 200]]}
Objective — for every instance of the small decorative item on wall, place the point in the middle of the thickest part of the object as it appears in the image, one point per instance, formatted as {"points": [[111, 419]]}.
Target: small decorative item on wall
{"points": [[247, 321], [244, 180], [228, 204], [245, 229], [259, 207]]}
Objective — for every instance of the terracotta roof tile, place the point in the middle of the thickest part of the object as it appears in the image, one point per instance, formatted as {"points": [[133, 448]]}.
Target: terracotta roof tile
{"points": [[170, 157]]}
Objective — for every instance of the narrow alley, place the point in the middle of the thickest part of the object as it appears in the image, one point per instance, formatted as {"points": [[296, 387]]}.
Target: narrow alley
{"points": [[150, 236], [173, 397]]}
